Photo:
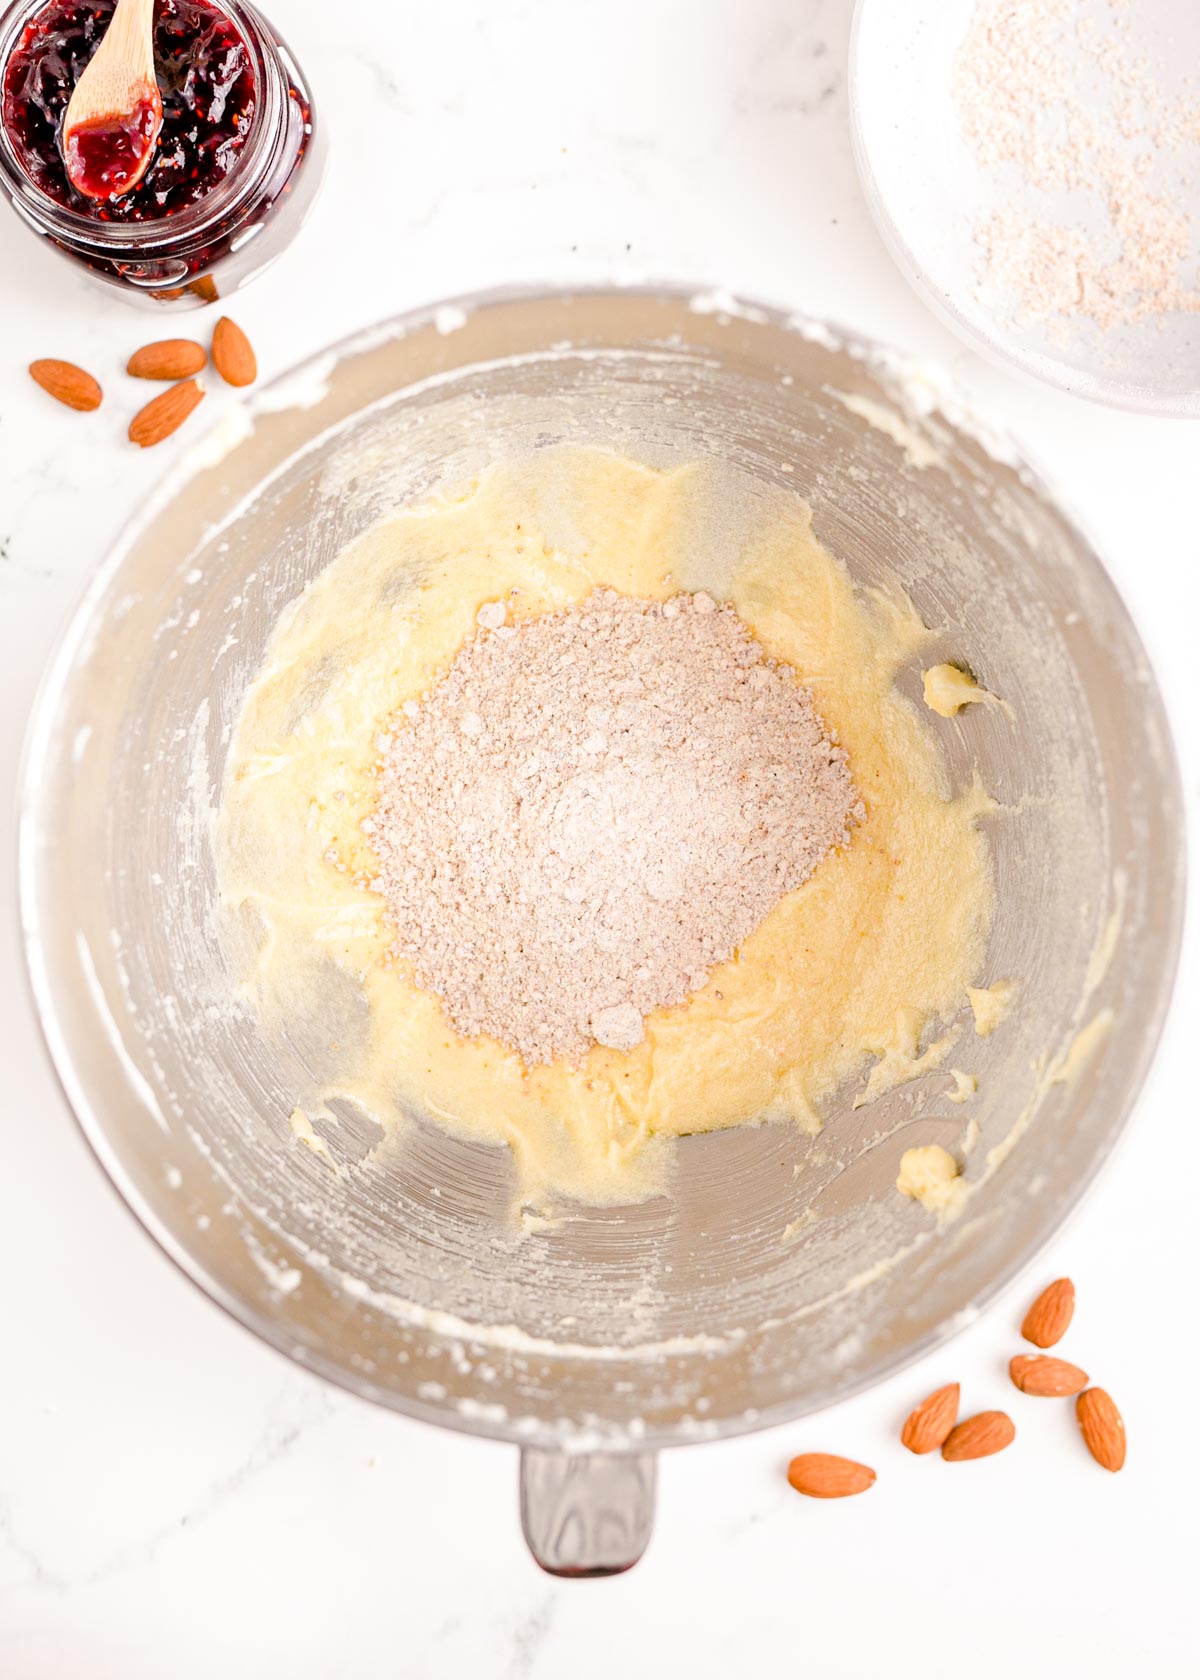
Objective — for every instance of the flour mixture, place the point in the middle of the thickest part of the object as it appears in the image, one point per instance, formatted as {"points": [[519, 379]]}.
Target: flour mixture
{"points": [[574, 830], [593, 809]]}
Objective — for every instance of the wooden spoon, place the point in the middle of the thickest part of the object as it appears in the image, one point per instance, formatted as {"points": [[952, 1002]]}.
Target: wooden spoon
{"points": [[112, 123]]}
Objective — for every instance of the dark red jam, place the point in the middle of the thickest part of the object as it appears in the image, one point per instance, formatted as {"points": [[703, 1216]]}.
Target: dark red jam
{"points": [[205, 75], [105, 158]]}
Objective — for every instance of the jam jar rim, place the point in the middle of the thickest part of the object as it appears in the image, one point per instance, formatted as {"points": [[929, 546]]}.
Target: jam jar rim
{"points": [[194, 221]]}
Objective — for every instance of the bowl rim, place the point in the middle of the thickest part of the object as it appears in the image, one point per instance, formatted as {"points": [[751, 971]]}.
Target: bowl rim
{"points": [[1044, 369], [43, 712]]}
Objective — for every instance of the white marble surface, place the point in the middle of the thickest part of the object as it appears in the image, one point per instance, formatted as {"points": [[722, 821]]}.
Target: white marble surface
{"points": [[177, 1501]]}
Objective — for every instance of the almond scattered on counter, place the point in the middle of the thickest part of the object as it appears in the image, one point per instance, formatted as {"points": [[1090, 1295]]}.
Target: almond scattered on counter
{"points": [[232, 353], [173, 361], [825, 1476], [1046, 1377], [168, 358], [164, 414], [1102, 1427], [978, 1437], [929, 1423], [1047, 1319], [67, 384], [933, 1423]]}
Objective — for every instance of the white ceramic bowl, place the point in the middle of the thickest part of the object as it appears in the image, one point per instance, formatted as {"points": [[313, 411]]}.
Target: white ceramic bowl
{"points": [[928, 194]]}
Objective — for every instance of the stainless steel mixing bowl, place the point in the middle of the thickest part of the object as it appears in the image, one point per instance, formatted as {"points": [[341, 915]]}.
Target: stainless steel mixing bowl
{"points": [[783, 1272]]}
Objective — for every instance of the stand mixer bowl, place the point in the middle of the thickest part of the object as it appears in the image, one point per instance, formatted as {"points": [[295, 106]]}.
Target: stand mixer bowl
{"points": [[783, 1272]]}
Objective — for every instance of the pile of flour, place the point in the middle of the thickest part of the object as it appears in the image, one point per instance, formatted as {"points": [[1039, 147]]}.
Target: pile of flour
{"points": [[1064, 101], [593, 808]]}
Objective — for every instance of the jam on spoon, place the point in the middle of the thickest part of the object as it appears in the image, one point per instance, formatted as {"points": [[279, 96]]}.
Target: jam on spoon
{"points": [[107, 158], [114, 115]]}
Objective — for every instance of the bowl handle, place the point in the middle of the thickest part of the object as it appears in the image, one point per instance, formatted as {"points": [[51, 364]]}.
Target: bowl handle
{"points": [[587, 1513]]}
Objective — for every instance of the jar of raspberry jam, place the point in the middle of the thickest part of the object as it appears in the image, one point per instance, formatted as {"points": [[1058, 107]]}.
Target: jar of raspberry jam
{"points": [[234, 172]]}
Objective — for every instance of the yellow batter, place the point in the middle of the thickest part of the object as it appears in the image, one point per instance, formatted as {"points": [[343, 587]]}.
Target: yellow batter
{"points": [[991, 1005], [844, 981], [947, 689], [930, 1175]]}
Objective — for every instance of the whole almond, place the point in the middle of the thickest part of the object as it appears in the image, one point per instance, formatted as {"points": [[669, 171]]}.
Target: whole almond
{"points": [[1103, 1428], [232, 354], [978, 1437], [164, 414], [929, 1423], [1047, 1319], [168, 358], [67, 383], [825, 1476], [1041, 1375]]}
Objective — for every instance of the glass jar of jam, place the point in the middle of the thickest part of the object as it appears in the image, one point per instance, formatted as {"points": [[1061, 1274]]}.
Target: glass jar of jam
{"points": [[236, 167]]}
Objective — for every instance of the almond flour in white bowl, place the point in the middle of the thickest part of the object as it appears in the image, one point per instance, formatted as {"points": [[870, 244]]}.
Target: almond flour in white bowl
{"points": [[1034, 167]]}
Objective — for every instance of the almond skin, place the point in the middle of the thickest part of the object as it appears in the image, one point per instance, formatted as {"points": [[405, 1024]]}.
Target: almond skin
{"points": [[929, 1423], [164, 414], [1047, 1319], [978, 1437], [1046, 1377], [169, 358], [67, 384], [1102, 1427], [232, 353], [824, 1476]]}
